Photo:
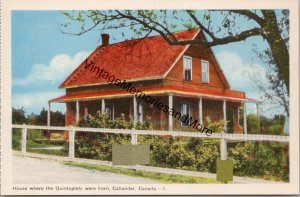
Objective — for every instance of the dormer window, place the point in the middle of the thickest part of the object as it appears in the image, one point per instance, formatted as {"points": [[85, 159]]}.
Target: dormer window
{"points": [[187, 68], [205, 71]]}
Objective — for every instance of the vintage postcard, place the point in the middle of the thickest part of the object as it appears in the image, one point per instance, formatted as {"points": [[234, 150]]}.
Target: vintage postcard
{"points": [[149, 98]]}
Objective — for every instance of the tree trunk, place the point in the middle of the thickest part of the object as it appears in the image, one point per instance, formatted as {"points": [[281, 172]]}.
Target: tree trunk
{"points": [[280, 54], [278, 48]]}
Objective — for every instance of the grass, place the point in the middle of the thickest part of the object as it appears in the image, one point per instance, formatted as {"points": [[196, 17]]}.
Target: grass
{"points": [[50, 152], [161, 178], [31, 135]]}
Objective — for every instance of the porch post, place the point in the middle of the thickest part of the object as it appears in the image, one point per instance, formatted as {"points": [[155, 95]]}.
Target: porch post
{"points": [[135, 115], [102, 106], [245, 118], [223, 140], [224, 116], [48, 114], [200, 111], [140, 112], [77, 112], [257, 114], [170, 117]]}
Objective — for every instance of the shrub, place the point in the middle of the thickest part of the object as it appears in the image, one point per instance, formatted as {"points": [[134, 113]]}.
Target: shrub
{"points": [[252, 124], [250, 158], [276, 129], [273, 126], [206, 153], [215, 126], [259, 159], [99, 145]]}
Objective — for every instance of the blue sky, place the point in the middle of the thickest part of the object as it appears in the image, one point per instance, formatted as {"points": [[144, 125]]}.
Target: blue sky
{"points": [[42, 57]]}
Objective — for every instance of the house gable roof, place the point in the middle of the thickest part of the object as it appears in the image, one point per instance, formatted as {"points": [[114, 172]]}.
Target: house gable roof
{"points": [[132, 60]]}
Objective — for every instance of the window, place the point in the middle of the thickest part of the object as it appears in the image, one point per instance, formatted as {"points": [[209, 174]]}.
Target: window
{"points": [[83, 110], [205, 71], [140, 112], [110, 112], [185, 111], [187, 68]]}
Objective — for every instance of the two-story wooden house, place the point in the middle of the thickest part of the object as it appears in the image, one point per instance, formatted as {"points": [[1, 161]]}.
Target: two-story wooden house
{"points": [[187, 78]]}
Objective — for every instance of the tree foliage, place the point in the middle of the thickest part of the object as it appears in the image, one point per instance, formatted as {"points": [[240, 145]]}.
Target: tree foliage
{"points": [[19, 117], [264, 125]]}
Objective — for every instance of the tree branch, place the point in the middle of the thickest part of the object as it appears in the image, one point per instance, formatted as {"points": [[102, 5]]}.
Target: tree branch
{"points": [[130, 17], [250, 15], [200, 24], [236, 38]]}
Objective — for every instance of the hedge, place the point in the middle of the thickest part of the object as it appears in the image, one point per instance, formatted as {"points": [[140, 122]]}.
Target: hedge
{"points": [[252, 159]]}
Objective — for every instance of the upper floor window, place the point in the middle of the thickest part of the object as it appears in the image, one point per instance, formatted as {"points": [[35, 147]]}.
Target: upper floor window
{"points": [[187, 68], [205, 71]]}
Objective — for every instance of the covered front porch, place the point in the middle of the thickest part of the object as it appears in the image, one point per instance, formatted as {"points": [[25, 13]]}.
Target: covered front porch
{"points": [[230, 109]]}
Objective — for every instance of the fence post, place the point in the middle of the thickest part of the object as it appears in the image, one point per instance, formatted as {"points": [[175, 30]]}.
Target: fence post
{"points": [[72, 143], [223, 149], [134, 138], [24, 139]]}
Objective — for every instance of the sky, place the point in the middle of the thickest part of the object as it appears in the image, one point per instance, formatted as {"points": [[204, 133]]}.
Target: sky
{"points": [[43, 56]]}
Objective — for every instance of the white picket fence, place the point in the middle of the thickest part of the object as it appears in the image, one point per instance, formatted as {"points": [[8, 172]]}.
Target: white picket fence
{"points": [[224, 137]]}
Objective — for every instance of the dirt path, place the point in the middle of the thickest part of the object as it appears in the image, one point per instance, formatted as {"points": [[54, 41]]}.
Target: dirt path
{"points": [[34, 171]]}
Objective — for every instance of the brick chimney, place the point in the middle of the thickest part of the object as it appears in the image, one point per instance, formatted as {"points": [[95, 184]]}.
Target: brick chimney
{"points": [[105, 39]]}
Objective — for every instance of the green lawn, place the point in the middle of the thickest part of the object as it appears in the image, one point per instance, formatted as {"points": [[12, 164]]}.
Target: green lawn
{"points": [[159, 177], [36, 134]]}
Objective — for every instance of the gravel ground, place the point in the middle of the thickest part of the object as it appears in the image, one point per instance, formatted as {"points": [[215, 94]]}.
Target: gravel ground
{"points": [[34, 171]]}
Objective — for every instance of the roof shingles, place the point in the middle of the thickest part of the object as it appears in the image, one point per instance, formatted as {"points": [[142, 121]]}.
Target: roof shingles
{"points": [[149, 57]]}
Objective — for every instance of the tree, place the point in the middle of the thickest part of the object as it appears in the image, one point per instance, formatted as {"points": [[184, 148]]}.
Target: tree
{"points": [[42, 117], [32, 119], [252, 124], [234, 26], [267, 125], [274, 89], [57, 118], [18, 116]]}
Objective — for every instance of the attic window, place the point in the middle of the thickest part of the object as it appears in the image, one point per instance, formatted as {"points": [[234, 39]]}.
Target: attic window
{"points": [[187, 68], [205, 71]]}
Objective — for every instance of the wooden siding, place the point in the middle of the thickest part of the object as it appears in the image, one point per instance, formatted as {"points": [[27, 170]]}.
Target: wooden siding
{"points": [[70, 114], [197, 53]]}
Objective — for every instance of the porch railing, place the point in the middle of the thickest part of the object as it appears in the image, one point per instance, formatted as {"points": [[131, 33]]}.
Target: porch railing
{"points": [[224, 137]]}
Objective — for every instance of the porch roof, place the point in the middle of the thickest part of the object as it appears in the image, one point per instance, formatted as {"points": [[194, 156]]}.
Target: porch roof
{"points": [[157, 91]]}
